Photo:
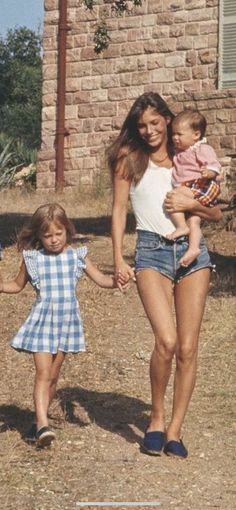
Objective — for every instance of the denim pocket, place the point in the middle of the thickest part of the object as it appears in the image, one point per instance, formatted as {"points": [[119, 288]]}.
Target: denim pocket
{"points": [[145, 252], [150, 245]]}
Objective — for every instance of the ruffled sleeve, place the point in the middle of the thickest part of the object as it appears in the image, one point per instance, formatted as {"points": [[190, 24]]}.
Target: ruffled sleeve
{"points": [[30, 259], [81, 264]]}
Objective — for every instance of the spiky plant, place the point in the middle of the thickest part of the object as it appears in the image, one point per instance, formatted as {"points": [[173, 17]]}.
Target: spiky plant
{"points": [[7, 167]]}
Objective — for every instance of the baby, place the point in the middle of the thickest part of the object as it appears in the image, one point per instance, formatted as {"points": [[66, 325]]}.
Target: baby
{"points": [[197, 167]]}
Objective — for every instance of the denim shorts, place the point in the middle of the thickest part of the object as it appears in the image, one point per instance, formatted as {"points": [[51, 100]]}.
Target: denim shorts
{"points": [[154, 251]]}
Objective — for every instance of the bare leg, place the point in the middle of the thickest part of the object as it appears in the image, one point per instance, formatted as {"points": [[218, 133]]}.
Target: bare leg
{"points": [[47, 368], [43, 363], [156, 294], [182, 229], [190, 295], [58, 360], [194, 241]]}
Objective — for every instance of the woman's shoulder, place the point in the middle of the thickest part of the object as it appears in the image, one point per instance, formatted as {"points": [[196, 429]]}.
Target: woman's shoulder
{"points": [[125, 163]]}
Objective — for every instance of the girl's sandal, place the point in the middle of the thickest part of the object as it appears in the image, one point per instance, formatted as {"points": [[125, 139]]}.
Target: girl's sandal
{"points": [[45, 436]]}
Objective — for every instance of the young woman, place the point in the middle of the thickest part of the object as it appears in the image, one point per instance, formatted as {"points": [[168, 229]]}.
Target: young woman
{"points": [[141, 163]]}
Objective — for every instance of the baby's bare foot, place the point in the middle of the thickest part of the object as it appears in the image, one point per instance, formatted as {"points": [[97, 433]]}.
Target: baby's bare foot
{"points": [[178, 232], [190, 255]]}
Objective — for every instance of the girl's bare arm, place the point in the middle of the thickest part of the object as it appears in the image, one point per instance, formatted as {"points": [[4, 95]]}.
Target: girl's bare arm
{"points": [[101, 279], [16, 285]]}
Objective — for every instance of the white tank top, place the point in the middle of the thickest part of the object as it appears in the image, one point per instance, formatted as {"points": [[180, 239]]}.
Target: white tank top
{"points": [[147, 199]]}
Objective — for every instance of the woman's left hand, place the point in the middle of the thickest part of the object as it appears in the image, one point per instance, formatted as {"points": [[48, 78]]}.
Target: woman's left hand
{"points": [[179, 200]]}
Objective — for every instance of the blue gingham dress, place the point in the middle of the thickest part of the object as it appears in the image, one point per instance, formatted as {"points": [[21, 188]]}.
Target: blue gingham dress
{"points": [[54, 323]]}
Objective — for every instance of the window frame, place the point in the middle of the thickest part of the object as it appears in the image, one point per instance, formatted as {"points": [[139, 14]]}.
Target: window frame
{"points": [[226, 80]]}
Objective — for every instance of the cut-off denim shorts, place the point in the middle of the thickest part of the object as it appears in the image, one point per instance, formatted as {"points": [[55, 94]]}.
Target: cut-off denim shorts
{"points": [[154, 251]]}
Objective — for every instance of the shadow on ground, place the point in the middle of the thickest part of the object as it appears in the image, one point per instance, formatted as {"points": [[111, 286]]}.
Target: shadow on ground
{"points": [[13, 417], [224, 277], [113, 412]]}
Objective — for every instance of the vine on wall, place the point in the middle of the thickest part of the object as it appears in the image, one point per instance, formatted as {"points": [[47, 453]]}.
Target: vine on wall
{"points": [[119, 7]]}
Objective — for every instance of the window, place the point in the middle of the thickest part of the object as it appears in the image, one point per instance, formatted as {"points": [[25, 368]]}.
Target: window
{"points": [[227, 44]]}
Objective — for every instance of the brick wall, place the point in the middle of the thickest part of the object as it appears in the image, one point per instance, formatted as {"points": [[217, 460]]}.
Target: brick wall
{"points": [[168, 46]]}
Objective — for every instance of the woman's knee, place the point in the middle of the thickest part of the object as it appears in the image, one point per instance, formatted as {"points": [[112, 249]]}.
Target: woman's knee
{"points": [[165, 348], [186, 353]]}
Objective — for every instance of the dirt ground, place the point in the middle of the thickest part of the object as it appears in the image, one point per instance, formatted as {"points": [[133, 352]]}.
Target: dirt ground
{"points": [[103, 398]]}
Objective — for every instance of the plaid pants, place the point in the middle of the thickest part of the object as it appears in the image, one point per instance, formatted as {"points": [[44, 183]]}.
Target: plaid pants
{"points": [[204, 190]]}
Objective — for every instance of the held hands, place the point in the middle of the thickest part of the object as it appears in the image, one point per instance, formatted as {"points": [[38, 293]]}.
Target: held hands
{"points": [[123, 273], [118, 283]]}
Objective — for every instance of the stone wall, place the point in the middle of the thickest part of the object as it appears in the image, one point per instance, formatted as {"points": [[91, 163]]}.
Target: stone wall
{"points": [[168, 46]]}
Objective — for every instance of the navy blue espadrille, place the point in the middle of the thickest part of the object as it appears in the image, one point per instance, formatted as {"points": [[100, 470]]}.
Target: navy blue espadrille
{"points": [[176, 449], [153, 442]]}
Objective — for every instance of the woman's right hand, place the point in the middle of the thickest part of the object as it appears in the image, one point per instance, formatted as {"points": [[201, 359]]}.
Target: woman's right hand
{"points": [[179, 200]]}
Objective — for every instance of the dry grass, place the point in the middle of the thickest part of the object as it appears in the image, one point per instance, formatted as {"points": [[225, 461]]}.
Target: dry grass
{"points": [[26, 200]]}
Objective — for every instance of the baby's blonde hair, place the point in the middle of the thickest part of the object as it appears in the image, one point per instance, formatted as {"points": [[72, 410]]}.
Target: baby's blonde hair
{"points": [[29, 236], [195, 119]]}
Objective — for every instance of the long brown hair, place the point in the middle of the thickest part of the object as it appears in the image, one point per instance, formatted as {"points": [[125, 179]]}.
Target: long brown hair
{"points": [[29, 236], [130, 146]]}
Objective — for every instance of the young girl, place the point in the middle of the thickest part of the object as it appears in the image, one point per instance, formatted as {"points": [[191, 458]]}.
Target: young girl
{"points": [[197, 167], [53, 327]]}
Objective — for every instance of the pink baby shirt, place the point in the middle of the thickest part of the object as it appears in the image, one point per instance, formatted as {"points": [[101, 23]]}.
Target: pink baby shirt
{"points": [[188, 163]]}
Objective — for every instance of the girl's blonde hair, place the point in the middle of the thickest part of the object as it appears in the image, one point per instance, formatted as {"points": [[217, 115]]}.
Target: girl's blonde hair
{"points": [[29, 236]]}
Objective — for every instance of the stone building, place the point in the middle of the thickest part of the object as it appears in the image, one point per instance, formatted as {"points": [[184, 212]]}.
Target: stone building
{"points": [[183, 49]]}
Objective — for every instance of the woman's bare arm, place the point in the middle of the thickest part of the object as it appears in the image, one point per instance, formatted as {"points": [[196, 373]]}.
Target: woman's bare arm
{"points": [[121, 188], [183, 201], [119, 216]]}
